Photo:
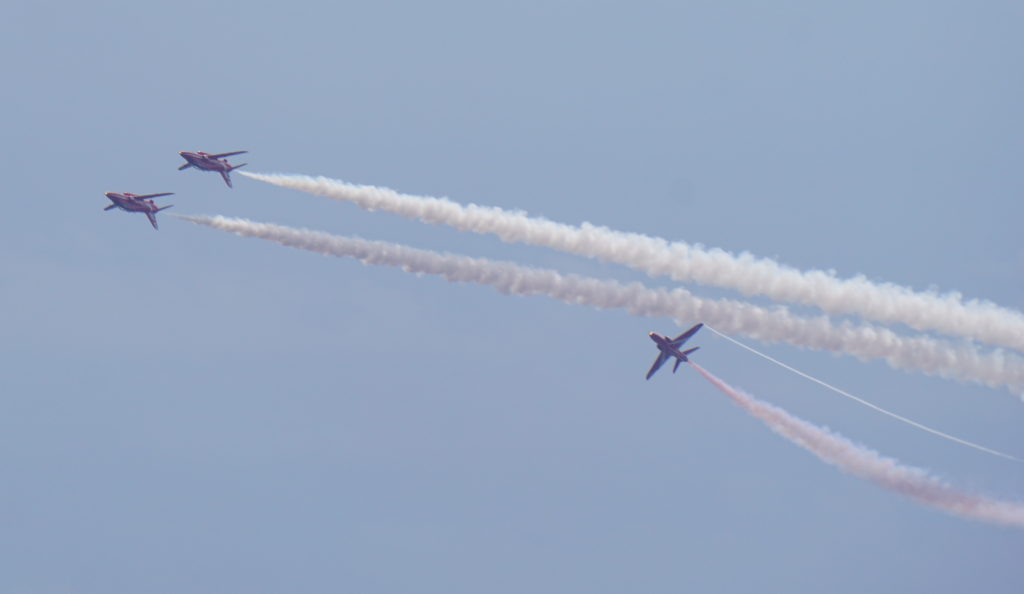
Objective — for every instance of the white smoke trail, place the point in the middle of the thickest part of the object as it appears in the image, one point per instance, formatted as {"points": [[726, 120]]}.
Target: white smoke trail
{"points": [[868, 464], [922, 354], [887, 303]]}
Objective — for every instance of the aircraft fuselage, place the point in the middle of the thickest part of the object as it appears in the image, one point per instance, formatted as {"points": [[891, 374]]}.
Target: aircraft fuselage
{"points": [[135, 203], [665, 345], [204, 161], [207, 162], [131, 203]]}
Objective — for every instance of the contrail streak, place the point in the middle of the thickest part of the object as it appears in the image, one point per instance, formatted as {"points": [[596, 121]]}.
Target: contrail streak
{"points": [[886, 302], [870, 405], [862, 462], [922, 354]]}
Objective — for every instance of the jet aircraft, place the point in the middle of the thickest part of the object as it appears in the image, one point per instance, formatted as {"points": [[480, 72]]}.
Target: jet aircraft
{"points": [[208, 162], [669, 347], [135, 203]]}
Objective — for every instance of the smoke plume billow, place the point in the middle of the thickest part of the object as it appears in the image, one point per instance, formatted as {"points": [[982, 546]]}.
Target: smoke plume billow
{"points": [[921, 354], [881, 302]]}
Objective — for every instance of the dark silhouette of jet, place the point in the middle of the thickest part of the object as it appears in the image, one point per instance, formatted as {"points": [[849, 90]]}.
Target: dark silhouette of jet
{"points": [[208, 162], [135, 203], [669, 347]]}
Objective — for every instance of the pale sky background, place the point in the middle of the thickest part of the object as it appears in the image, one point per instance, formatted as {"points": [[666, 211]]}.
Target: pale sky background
{"points": [[188, 411]]}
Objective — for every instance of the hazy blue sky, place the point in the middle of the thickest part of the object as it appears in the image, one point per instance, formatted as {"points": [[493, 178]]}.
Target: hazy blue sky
{"points": [[188, 411]]}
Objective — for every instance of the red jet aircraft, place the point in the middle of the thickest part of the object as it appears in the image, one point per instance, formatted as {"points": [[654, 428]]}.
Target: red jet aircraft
{"points": [[669, 347], [135, 203], [208, 162]]}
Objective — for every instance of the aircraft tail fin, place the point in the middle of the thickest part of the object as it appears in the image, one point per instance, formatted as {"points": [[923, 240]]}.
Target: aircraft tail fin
{"points": [[233, 167], [684, 358], [163, 208]]}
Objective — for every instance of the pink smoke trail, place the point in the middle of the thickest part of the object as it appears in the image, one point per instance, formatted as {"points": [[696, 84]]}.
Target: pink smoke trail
{"points": [[865, 463]]}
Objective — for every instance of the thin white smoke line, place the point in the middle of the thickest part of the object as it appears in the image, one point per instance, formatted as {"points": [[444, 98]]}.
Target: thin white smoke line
{"points": [[886, 302], [865, 463], [866, 403], [922, 354]]}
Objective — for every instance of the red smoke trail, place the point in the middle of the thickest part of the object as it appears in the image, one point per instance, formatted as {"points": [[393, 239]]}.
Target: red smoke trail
{"points": [[865, 463]]}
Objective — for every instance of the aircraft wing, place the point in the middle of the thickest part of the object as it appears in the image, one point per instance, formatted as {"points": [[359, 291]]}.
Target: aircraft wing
{"points": [[662, 357], [152, 220], [154, 195], [222, 155], [682, 338], [185, 166]]}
